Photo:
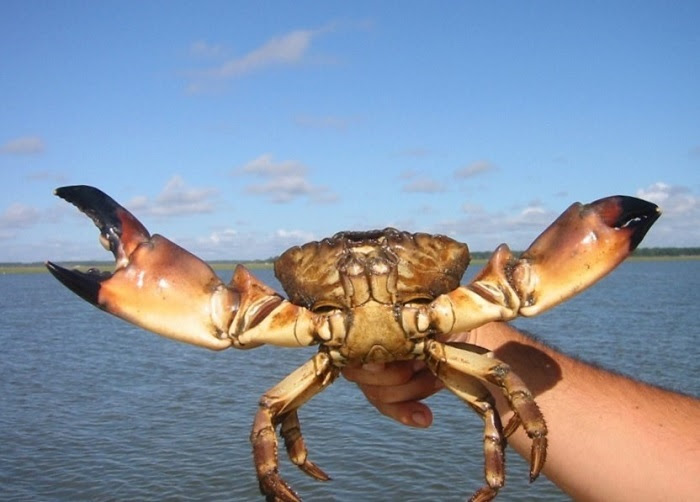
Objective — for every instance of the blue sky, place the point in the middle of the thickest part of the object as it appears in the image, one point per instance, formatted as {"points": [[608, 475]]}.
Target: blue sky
{"points": [[240, 128]]}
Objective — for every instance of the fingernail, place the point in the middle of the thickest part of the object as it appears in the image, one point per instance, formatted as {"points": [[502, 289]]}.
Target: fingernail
{"points": [[418, 364], [419, 419], [373, 367]]}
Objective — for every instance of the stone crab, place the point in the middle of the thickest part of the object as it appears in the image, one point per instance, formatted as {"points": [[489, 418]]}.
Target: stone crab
{"points": [[374, 296]]}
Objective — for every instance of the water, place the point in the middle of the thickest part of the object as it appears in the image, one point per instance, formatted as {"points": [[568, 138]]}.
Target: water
{"points": [[92, 408]]}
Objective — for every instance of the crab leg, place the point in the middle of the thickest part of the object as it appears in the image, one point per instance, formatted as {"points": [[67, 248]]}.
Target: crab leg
{"points": [[490, 370], [296, 447], [164, 288], [471, 391], [277, 405]]}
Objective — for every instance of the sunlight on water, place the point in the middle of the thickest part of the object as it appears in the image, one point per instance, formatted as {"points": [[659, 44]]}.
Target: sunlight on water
{"points": [[94, 409]]}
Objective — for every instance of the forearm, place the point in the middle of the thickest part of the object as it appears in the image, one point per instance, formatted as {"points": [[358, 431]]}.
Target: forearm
{"points": [[610, 438]]}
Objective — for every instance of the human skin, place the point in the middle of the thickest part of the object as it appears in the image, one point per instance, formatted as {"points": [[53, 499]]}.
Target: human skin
{"points": [[610, 437]]}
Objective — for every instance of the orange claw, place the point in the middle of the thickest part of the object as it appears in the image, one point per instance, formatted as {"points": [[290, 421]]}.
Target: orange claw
{"points": [[156, 284], [584, 244]]}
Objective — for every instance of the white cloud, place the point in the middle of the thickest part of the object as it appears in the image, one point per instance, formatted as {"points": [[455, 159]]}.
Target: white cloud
{"points": [[24, 145], [294, 236], [423, 185], [232, 244], [203, 49], [265, 165], [284, 181], [325, 122], [532, 211], [14, 219], [483, 230], [19, 215], [679, 224], [221, 237], [283, 188], [176, 198], [672, 199], [286, 50], [475, 168], [656, 192], [48, 175], [416, 153], [416, 182]]}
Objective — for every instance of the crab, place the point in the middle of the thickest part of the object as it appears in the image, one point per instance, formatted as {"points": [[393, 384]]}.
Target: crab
{"points": [[376, 296]]}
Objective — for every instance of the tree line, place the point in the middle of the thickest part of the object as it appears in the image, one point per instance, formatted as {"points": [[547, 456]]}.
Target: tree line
{"points": [[691, 251]]}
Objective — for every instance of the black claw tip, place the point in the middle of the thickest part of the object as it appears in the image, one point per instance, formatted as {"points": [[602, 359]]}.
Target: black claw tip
{"points": [[107, 214], [99, 206], [84, 284], [630, 213], [638, 215]]}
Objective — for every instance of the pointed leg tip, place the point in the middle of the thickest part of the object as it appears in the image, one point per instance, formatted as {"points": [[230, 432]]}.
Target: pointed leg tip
{"points": [[512, 425], [538, 456], [314, 471], [276, 489], [484, 494]]}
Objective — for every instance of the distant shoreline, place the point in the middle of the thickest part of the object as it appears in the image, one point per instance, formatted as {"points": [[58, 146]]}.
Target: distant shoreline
{"points": [[40, 268]]}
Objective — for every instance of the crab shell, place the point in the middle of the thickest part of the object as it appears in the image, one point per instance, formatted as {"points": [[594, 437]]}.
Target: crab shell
{"points": [[425, 266], [362, 297]]}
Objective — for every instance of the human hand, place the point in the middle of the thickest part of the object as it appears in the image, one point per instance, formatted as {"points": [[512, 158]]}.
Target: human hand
{"points": [[396, 389]]}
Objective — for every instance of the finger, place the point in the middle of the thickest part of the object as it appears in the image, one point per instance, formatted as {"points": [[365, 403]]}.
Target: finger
{"points": [[420, 386], [390, 374], [410, 413]]}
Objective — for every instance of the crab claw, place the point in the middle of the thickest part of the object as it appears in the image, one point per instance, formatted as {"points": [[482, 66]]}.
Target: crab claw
{"points": [[156, 284], [584, 244]]}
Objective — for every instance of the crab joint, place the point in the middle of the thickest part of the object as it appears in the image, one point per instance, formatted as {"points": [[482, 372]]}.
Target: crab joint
{"points": [[330, 328], [286, 325], [223, 305], [418, 321], [415, 321]]}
